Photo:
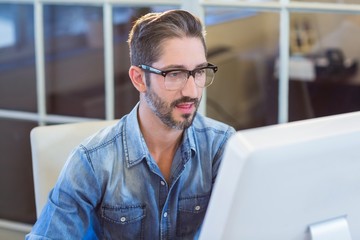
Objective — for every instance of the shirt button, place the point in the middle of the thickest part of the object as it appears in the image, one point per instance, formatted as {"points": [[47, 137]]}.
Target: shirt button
{"points": [[165, 214], [123, 219], [162, 183], [197, 208]]}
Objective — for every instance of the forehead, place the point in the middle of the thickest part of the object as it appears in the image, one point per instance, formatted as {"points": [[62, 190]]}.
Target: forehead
{"points": [[187, 51]]}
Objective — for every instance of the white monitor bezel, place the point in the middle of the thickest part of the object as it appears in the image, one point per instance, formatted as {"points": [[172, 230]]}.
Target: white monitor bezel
{"points": [[251, 151]]}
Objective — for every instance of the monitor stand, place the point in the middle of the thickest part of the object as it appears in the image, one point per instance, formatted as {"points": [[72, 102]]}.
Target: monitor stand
{"points": [[332, 229]]}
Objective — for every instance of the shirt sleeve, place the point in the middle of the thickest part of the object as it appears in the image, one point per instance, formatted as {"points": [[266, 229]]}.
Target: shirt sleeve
{"points": [[72, 202]]}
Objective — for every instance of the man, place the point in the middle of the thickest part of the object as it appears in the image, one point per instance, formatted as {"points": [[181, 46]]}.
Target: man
{"points": [[150, 176]]}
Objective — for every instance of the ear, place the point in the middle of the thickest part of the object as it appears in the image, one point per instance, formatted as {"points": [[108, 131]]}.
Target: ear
{"points": [[137, 78]]}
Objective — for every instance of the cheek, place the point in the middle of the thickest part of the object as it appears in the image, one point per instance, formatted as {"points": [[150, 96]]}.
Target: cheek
{"points": [[167, 97]]}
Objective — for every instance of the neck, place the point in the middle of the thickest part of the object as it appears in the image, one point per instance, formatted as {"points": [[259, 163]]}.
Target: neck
{"points": [[157, 135], [161, 140]]}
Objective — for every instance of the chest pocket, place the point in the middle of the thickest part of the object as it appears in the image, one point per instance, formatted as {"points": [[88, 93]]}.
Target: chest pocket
{"points": [[123, 222], [191, 214]]}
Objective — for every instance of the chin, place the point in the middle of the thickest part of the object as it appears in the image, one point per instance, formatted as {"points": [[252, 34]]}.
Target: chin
{"points": [[187, 120]]}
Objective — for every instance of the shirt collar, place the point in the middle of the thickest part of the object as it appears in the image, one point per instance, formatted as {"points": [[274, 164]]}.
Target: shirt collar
{"points": [[134, 143]]}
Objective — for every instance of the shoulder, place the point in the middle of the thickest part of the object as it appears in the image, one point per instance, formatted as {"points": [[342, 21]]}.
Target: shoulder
{"points": [[104, 137]]}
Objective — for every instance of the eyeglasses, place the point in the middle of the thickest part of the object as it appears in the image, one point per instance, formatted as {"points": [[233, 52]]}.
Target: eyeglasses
{"points": [[176, 79]]}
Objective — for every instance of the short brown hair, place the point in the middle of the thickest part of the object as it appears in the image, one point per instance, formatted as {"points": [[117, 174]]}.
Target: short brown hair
{"points": [[150, 30]]}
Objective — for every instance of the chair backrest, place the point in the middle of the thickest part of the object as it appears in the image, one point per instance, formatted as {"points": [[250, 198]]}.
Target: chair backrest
{"points": [[50, 147]]}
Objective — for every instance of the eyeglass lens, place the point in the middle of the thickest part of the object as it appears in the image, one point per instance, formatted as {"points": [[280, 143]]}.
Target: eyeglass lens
{"points": [[177, 79]]}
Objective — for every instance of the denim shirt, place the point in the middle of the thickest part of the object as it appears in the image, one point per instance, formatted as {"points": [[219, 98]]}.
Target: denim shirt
{"points": [[111, 187]]}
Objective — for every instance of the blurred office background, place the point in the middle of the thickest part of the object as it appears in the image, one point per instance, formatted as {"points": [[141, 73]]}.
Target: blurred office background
{"points": [[67, 61]]}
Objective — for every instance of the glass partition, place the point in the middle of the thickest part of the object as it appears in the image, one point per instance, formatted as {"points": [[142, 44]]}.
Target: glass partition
{"points": [[325, 45], [74, 59], [244, 92], [17, 58], [17, 202]]}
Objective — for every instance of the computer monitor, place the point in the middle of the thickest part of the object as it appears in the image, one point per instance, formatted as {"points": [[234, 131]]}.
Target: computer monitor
{"points": [[298, 180]]}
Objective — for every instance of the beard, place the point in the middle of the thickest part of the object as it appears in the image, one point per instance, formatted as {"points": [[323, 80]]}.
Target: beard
{"points": [[164, 111]]}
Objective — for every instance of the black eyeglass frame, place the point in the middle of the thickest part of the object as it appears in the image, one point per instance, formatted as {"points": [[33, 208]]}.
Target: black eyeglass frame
{"points": [[208, 67], [190, 72]]}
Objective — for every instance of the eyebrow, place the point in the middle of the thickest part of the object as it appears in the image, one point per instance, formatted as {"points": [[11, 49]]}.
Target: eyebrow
{"points": [[182, 67]]}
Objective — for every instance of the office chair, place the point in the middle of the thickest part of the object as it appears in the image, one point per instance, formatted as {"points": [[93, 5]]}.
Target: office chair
{"points": [[50, 148]]}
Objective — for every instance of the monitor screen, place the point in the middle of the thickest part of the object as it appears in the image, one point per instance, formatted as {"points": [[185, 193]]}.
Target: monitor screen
{"points": [[298, 180]]}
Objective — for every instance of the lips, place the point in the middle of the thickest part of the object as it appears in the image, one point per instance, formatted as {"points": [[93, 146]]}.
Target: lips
{"points": [[185, 108], [185, 105]]}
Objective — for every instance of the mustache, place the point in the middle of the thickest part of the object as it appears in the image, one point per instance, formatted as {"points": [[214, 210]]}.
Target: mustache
{"points": [[184, 100]]}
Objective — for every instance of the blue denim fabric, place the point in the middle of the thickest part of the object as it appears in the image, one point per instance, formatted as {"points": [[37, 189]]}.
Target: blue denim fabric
{"points": [[111, 187]]}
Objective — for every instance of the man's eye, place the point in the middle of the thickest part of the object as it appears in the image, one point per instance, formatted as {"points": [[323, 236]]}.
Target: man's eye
{"points": [[175, 74]]}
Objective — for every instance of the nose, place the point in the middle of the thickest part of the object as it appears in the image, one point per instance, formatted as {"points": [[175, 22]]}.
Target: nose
{"points": [[191, 89]]}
